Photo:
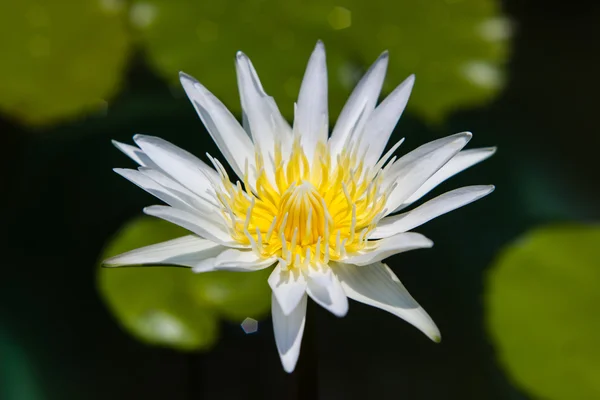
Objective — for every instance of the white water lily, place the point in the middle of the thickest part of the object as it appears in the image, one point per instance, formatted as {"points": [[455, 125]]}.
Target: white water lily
{"points": [[317, 208]]}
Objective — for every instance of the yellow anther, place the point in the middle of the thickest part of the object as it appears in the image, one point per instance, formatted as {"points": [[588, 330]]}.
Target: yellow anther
{"points": [[310, 212]]}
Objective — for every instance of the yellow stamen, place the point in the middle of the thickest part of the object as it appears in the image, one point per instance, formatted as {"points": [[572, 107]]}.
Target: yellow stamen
{"points": [[306, 213]]}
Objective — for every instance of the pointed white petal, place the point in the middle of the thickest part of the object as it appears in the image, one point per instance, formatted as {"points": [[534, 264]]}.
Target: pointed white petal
{"points": [[264, 121], [383, 120], [195, 223], [376, 285], [359, 106], [288, 329], [463, 160], [162, 178], [154, 188], [412, 170], [206, 265], [440, 205], [312, 119], [387, 247], [225, 130], [325, 289], [135, 154], [205, 207], [182, 166], [288, 287], [186, 251], [242, 260]]}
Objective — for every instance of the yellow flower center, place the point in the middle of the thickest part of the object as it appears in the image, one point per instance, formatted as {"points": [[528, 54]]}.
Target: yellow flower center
{"points": [[304, 213]]}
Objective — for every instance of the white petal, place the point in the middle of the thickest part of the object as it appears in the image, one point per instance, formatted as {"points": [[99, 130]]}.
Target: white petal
{"points": [[195, 223], [463, 160], [154, 188], [387, 247], [325, 289], [288, 287], [186, 251], [265, 122], [162, 178], [383, 120], [184, 167], [242, 260], [206, 265], [311, 120], [206, 208], [359, 106], [288, 330], [412, 170], [135, 154], [376, 285], [442, 204], [225, 130]]}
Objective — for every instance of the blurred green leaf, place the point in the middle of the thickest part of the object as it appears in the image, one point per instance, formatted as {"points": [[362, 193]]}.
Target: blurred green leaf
{"points": [[172, 306], [235, 295], [151, 302], [456, 48], [60, 58], [542, 311]]}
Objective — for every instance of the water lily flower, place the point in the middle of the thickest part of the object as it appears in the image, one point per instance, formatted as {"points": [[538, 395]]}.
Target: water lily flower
{"points": [[322, 209]]}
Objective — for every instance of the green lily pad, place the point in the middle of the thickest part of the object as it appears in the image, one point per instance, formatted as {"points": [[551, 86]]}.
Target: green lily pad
{"points": [[152, 303], [235, 295], [542, 311], [173, 306], [456, 48], [60, 58]]}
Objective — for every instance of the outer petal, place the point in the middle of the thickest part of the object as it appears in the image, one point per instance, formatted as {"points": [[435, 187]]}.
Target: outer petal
{"points": [[187, 169], [195, 223], [265, 122], [135, 154], [242, 260], [206, 207], [411, 171], [206, 265], [387, 247], [312, 118], [458, 163], [288, 286], [186, 251], [162, 178], [152, 187], [383, 120], [288, 329], [325, 289], [359, 106], [227, 133], [440, 205], [376, 285]]}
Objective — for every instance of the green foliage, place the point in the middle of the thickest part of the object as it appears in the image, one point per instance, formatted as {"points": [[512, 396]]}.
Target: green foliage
{"points": [[65, 58], [456, 48], [60, 58], [234, 295], [172, 306], [542, 303], [151, 302]]}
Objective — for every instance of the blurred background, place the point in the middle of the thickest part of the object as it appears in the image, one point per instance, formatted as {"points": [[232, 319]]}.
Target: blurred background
{"points": [[513, 281]]}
